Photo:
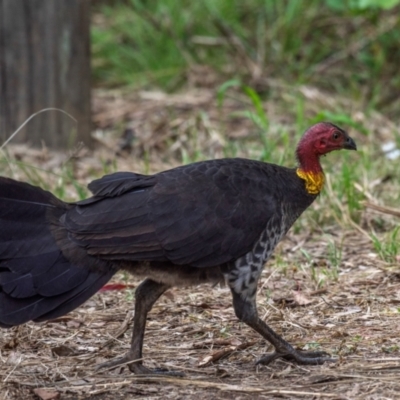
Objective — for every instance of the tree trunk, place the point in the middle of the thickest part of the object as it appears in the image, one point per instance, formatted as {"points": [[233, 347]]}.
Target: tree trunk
{"points": [[45, 63]]}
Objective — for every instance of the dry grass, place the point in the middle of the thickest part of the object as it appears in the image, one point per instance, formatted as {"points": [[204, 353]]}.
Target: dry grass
{"points": [[349, 309], [355, 318]]}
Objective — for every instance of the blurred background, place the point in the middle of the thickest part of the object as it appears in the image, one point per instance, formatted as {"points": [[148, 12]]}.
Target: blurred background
{"points": [[344, 47], [275, 62]]}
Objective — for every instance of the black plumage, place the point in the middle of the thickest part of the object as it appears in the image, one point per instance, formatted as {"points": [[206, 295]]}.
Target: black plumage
{"points": [[210, 221]]}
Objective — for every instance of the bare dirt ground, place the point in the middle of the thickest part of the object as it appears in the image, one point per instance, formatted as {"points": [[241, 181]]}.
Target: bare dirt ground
{"points": [[351, 310]]}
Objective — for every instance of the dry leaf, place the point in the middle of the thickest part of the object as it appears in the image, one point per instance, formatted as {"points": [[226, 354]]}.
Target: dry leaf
{"points": [[73, 323], [45, 394], [300, 298], [63, 351], [286, 371], [14, 358], [216, 355], [116, 286]]}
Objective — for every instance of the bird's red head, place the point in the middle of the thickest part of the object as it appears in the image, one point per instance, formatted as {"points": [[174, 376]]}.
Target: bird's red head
{"points": [[318, 140], [322, 138]]}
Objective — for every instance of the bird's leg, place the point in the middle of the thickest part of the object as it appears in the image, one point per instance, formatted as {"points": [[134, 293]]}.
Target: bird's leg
{"points": [[147, 293], [246, 311]]}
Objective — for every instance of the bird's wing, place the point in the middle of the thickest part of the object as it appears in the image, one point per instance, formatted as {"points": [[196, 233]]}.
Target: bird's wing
{"points": [[118, 183], [203, 215]]}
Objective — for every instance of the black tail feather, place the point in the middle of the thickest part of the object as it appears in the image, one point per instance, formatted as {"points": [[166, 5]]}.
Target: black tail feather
{"points": [[37, 282]]}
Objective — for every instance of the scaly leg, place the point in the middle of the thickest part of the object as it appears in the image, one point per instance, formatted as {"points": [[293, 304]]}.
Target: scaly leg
{"points": [[147, 293], [246, 311]]}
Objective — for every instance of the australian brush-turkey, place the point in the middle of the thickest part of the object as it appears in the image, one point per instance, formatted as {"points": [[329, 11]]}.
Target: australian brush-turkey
{"points": [[212, 221]]}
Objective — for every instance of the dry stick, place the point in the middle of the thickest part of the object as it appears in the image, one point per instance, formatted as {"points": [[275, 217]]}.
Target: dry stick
{"points": [[371, 202], [12, 371], [32, 116], [185, 382], [121, 330], [344, 212], [346, 217], [382, 209], [23, 124]]}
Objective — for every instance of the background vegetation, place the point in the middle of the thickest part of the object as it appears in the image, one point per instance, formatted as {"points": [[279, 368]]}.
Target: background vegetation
{"points": [[349, 47]]}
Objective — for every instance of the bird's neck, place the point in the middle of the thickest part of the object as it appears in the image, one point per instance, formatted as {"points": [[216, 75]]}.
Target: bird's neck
{"points": [[311, 172]]}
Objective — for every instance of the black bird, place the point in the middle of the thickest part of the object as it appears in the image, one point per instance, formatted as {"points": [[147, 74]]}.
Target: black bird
{"points": [[212, 221]]}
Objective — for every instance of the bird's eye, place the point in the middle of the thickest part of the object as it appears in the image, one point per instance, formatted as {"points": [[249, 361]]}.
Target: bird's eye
{"points": [[336, 135]]}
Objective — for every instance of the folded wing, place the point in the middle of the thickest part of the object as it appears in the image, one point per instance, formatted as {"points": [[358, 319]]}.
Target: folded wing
{"points": [[201, 215]]}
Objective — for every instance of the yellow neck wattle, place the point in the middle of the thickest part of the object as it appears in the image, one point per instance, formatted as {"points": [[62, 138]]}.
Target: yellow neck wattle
{"points": [[314, 180]]}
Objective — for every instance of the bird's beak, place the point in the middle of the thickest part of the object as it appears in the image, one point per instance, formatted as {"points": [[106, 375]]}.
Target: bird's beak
{"points": [[349, 144]]}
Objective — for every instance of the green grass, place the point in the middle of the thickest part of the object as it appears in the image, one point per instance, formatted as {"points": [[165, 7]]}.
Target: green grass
{"points": [[339, 48], [387, 245]]}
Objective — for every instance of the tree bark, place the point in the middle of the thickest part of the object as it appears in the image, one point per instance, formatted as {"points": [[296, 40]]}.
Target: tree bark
{"points": [[45, 63]]}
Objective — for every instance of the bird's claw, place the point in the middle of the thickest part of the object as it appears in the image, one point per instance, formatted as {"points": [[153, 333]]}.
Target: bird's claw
{"points": [[298, 356]]}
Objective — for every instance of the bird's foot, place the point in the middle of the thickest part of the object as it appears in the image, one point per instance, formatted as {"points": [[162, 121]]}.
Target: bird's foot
{"points": [[298, 356], [136, 367]]}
